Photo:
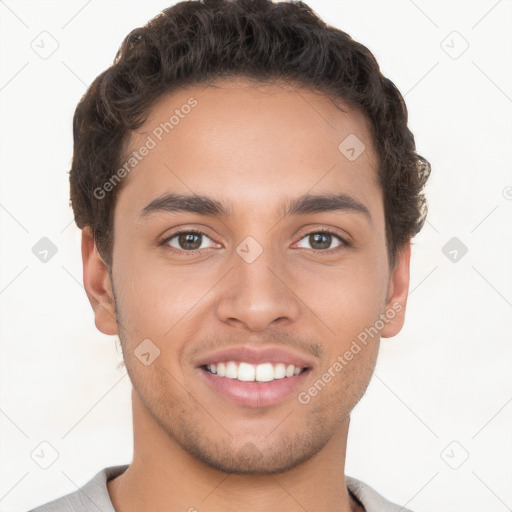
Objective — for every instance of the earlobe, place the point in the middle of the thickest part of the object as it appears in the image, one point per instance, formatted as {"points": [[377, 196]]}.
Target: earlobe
{"points": [[97, 285], [398, 290]]}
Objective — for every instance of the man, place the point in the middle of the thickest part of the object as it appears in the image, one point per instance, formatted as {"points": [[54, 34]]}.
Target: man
{"points": [[247, 190]]}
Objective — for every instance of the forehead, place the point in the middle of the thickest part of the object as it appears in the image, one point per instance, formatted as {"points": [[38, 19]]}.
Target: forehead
{"points": [[248, 142]]}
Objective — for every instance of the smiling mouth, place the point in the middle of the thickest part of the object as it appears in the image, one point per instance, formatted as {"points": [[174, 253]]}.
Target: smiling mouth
{"points": [[246, 372], [254, 385]]}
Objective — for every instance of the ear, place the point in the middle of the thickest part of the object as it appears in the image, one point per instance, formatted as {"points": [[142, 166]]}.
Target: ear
{"points": [[97, 285], [398, 290]]}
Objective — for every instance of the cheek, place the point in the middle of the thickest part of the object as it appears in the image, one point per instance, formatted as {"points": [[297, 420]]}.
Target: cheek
{"points": [[167, 305], [347, 298], [155, 296], [350, 306]]}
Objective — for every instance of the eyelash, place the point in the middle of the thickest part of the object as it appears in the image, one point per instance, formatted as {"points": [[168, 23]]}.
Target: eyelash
{"points": [[325, 230]]}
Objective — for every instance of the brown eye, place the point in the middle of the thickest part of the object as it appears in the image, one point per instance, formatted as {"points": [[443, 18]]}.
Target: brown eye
{"points": [[190, 241], [322, 240], [187, 241]]}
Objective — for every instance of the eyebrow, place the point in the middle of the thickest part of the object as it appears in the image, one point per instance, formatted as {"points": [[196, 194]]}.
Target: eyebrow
{"points": [[306, 204]]}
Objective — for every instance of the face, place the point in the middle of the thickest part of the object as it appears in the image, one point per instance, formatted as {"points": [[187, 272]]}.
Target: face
{"points": [[255, 273]]}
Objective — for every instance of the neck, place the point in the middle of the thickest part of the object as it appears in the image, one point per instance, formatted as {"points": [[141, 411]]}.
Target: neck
{"points": [[163, 476]]}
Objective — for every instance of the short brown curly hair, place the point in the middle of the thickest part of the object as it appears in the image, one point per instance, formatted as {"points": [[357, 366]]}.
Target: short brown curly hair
{"points": [[198, 41]]}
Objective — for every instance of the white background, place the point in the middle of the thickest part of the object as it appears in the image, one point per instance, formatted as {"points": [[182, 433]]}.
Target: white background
{"points": [[446, 377]]}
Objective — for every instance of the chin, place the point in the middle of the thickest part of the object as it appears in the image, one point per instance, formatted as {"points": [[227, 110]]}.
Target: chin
{"points": [[254, 459]]}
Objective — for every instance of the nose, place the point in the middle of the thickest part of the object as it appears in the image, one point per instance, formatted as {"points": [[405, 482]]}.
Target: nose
{"points": [[258, 293]]}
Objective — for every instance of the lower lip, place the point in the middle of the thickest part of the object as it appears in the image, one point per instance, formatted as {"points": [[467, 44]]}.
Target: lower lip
{"points": [[255, 394]]}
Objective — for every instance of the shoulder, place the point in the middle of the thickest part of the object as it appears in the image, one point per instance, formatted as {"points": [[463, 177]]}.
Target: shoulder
{"points": [[371, 499], [93, 496]]}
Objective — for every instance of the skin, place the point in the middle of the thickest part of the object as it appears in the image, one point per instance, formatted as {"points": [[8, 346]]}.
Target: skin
{"points": [[254, 146]]}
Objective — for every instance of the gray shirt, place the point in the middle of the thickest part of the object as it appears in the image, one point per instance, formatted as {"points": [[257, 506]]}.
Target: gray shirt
{"points": [[94, 497]]}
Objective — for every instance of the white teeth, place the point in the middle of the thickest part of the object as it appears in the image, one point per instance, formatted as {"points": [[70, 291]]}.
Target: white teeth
{"points": [[245, 372], [279, 371], [231, 370], [264, 372]]}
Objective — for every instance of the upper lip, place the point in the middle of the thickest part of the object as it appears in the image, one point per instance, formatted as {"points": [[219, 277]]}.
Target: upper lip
{"points": [[253, 355]]}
